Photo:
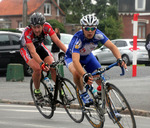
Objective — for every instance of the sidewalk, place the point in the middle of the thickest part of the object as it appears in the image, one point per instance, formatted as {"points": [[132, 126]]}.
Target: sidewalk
{"points": [[15, 91], [19, 93]]}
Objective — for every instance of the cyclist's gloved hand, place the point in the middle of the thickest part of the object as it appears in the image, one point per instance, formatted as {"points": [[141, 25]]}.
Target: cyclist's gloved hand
{"points": [[121, 63], [44, 66], [87, 78]]}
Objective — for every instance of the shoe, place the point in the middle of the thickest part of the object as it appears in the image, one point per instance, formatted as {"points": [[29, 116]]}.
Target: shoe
{"points": [[65, 98], [38, 96], [117, 115], [86, 99]]}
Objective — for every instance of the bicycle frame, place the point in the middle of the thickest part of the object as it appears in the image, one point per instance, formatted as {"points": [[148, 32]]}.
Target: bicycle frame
{"points": [[103, 83], [111, 101], [57, 85]]}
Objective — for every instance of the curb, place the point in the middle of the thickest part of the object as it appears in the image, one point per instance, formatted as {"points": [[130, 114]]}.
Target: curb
{"points": [[136, 112]]}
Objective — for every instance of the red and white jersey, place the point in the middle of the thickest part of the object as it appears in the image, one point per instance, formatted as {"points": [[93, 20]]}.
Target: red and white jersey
{"points": [[29, 37]]}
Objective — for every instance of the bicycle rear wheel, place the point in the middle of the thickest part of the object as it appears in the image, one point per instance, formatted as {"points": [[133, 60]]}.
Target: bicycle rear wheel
{"points": [[70, 101], [46, 108], [94, 113], [119, 110]]}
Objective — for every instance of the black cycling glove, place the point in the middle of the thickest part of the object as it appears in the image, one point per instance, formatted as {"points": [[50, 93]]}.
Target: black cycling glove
{"points": [[120, 61], [86, 77]]}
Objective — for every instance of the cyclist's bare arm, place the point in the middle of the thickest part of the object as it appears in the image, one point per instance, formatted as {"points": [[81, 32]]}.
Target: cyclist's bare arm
{"points": [[33, 52], [58, 42], [113, 48], [115, 51]]}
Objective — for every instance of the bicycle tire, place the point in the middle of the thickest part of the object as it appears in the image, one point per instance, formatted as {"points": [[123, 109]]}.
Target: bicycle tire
{"points": [[93, 113], [70, 101], [46, 109], [118, 103]]}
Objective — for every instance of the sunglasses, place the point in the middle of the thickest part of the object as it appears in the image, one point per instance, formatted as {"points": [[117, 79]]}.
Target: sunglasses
{"points": [[90, 28]]}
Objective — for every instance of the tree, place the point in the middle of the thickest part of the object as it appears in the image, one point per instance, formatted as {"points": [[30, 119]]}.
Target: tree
{"points": [[75, 9], [105, 10], [111, 27], [55, 24]]}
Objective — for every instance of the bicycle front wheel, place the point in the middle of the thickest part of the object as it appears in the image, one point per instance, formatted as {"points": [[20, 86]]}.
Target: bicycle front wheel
{"points": [[119, 110], [94, 114], [70, 101], [46, 108]]}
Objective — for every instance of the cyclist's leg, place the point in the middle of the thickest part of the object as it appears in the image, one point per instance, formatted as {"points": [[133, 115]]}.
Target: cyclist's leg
{"points": [[49, 60], [76, 76], [92, 65], [33, 64], [36, 76], [79, 82], [46, 55]]}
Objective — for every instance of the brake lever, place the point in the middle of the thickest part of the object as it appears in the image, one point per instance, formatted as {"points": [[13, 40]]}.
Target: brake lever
{"points": [[123, 72]]}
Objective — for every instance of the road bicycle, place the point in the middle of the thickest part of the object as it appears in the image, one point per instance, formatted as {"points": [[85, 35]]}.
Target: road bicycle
{"points": [[111, 102], [67, 96]]}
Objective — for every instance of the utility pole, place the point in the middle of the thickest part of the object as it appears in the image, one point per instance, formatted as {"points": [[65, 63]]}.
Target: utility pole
{"points": [[24, 16]]}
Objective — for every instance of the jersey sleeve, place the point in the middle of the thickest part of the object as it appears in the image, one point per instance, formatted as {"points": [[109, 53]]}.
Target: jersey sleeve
{"points": [[103, 41], [76, 45], [28, 35], [48, 29], [101, 37]]}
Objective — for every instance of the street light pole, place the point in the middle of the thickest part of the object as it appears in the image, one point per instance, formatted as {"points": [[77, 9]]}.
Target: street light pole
{"points": [[24, 16]]}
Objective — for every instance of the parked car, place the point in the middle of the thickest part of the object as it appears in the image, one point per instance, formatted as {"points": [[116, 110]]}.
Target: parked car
{"points": [[10, 51], [65, 39], [125, 46]]}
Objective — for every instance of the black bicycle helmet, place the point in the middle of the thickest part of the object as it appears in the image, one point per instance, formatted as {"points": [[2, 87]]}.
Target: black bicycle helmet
{"points": [[37, 19]]}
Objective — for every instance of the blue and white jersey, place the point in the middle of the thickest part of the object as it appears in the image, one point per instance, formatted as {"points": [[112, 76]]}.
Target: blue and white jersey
{"points": [[83, 46]]}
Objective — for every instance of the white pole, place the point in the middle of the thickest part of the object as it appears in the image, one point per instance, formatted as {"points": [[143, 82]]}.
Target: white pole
{"points": [[135, 27]]}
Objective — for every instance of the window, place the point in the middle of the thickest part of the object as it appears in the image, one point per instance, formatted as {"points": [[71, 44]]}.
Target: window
{"points": [[121, 43], [20, 24], [141, 30], [140, 5], [15, 40], [57, 12], [139, 43], [7, 25], [47, 9], [4, 40]]}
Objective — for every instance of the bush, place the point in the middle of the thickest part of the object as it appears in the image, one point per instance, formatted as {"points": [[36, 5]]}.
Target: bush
{"points": [[10, 29], [55, 24]]}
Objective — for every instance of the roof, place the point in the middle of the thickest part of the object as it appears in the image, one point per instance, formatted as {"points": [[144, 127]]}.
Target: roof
{"points": [[15, 7]]}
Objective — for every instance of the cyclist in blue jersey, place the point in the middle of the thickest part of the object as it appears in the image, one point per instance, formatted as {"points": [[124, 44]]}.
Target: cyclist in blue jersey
{"points": [[79, 54]]}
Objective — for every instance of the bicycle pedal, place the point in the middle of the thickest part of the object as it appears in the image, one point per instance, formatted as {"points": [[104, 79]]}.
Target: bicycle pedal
{"points": [[90, 108], [54, 107]]}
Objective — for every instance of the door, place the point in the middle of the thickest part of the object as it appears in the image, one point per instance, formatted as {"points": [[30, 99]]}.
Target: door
{"points": [[9, 50], [4, 51]]}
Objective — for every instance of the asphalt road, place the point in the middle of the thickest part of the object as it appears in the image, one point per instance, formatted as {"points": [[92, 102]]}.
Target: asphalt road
{"points": [[25, 116], [136, 89]]}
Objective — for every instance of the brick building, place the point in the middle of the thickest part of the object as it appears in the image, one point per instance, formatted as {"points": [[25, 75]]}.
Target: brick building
{"points": [[11, 11], [127, 8]]}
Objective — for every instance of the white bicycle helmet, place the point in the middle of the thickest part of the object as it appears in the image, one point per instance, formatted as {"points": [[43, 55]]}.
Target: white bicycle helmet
{"points": [[89, 20]]}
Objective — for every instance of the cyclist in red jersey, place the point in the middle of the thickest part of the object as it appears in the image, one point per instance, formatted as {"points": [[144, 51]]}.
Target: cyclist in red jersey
{"points": [[35, 52]]}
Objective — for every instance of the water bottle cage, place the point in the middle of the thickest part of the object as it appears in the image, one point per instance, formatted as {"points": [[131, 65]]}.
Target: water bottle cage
{"points": [[48, 83]]}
